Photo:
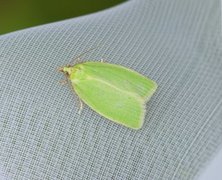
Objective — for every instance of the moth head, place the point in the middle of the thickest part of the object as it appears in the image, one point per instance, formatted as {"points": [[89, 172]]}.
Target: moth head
{"points": [[66, 70]]}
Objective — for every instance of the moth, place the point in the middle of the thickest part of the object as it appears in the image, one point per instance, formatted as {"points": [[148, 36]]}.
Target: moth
{"points": [[115, 92]]}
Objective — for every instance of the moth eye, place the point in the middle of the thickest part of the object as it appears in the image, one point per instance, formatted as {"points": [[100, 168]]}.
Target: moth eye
{"points": [[66, 74]]}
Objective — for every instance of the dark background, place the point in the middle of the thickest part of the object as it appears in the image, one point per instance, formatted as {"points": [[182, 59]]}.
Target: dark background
{"points": [[20, 14]]}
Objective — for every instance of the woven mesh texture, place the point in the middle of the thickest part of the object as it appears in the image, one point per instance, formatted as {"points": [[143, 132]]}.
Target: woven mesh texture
{"points": [[176, 43]]}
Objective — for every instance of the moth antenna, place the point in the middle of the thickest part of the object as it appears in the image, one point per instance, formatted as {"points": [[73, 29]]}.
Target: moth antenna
{"points": [[78, 57]]}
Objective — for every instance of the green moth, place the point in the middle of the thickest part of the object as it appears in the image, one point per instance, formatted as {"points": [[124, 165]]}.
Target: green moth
{"points": [[113, 91]]}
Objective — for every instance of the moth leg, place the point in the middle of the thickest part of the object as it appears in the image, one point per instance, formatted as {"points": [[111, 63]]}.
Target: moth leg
{"points": [[60, 69], [78, 60], [81, 106], [63, 82]]}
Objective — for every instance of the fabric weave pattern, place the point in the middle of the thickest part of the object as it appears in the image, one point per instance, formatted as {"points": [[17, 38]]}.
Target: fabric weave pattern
{"points": [[175, 43]]}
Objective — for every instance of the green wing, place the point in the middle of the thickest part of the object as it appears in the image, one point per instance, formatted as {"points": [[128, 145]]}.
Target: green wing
{"points": [[119, 76], [113, 91]]}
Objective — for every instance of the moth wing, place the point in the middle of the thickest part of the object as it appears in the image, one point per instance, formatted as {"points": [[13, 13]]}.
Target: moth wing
{"points": [[121, 77], [119, 106]]}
